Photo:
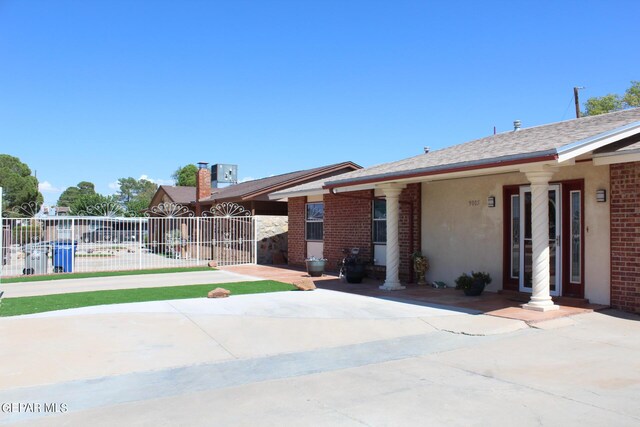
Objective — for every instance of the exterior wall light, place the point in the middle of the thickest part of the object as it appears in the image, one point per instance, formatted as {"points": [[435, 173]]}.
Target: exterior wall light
{"points": [[491, 201], [601, 196]]}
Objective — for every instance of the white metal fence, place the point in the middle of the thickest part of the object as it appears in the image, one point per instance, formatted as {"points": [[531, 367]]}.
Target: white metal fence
{"points": [[171, 236]]}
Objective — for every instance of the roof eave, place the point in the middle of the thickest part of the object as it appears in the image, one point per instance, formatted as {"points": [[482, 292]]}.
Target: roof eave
{"points": [[549, 155], [626, 156], [578, 148], [275, 187], [302, 193]]}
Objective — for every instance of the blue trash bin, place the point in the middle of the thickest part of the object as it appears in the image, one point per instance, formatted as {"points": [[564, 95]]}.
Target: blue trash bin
{"points": [[63, 253]]}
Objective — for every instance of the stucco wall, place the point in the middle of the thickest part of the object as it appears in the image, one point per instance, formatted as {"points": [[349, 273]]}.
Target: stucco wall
{"points": [[460, 233]]}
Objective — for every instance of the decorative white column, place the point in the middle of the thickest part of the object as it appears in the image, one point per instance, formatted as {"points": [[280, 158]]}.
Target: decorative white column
{"points": [[540, 296], [392, 196]]}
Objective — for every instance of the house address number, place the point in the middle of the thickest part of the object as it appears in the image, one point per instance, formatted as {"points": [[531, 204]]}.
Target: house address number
{"points": [[474, 202]]}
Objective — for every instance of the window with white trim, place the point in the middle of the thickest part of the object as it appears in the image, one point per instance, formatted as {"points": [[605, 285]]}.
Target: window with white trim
{"points": [[314, 221], [380, 221]]}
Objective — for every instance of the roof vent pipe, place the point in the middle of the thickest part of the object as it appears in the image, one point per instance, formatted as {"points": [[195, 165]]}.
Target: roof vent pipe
{"points": [[516, 125]]}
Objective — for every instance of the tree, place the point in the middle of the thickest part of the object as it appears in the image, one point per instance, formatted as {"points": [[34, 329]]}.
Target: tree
{"points": [[94, 204], [135, 194], [185, 176], [632, 95], [603, 104], [613, 102], [71, 194], [19, 187]]}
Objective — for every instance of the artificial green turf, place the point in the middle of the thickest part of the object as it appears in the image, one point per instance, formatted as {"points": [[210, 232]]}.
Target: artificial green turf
{"points": [[63, 276], [42, 303]]}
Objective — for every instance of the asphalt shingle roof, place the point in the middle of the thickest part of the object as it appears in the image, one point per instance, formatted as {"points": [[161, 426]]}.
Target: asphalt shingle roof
{"points": [[524, 143], [258, 186], [545, 139], [182, 195]]}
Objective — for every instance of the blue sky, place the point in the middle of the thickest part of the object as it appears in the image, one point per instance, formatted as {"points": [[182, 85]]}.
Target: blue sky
{"points": [[98, 90]]}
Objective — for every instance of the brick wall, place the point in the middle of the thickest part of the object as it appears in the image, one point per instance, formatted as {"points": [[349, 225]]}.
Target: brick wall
{"points": [[296, 243], [347, 224], [625, 236], [409, 229], [203, 183]]}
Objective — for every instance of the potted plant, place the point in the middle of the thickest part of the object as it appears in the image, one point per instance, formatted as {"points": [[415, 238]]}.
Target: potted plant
{"points": [[315, 266], [474, 284], [352, 267], [420, 266]]}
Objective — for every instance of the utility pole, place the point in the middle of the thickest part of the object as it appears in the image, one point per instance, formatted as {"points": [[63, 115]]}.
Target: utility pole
{"points": [[577, 100]]}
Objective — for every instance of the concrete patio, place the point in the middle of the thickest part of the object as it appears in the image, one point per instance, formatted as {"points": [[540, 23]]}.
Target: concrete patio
{"points": [[499, 304]]}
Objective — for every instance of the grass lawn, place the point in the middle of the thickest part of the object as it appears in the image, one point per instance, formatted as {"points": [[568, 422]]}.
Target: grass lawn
{"points": [[64, 276], [42, 303]]}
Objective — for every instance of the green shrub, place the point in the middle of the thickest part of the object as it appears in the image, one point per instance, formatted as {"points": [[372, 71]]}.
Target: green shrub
{"points": [[465, 281]]}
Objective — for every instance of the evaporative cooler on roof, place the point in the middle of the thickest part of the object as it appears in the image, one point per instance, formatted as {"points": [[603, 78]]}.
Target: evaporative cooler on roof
{"points": [[224, 174]]}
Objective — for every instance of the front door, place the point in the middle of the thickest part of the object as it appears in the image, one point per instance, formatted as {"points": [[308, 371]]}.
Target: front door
{"points": [[526, 246]]}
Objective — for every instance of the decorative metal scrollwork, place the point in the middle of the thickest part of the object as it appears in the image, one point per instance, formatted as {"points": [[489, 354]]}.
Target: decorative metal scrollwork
{"points": [[108, 209], [25, 210], [227, 209], [170, 210]]}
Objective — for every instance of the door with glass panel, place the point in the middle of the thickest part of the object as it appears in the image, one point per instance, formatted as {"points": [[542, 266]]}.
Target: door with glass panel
{"points": [[522, 249], [566, 238]]}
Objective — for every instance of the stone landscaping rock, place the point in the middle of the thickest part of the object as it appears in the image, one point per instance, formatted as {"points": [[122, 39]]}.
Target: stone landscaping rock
{"points": [[219, 293], [213, 264], [305, 285]]}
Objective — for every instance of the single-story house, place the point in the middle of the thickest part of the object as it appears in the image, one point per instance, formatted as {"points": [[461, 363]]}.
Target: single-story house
{"points": [[551, 210], [251, 195]]}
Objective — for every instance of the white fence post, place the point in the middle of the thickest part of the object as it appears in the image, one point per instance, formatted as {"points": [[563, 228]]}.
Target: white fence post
{"points": [[254, 221], [73, 246], [198, 240], [140, 242]]}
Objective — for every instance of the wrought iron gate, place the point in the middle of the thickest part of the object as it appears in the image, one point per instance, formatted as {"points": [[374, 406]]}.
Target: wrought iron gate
{"points": [[170, 235]]}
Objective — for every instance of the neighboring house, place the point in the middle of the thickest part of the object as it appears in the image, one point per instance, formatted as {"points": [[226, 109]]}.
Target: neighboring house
{"points": [[251, 196], [184, 196], [551, 210]]}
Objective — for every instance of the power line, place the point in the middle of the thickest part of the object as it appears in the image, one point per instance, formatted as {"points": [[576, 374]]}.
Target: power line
{"points": [[567, 109]]}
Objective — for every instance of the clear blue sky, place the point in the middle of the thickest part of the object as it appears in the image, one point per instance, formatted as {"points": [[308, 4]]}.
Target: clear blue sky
{"points": [[98, 90]]}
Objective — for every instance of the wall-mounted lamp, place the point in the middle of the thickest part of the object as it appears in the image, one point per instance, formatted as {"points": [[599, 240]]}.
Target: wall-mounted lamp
{"points": [[601, 195], [491, 201]]}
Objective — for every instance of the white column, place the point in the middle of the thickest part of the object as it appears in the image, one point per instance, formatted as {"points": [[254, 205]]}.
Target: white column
{"points": [[392, 196], [540, 297]]}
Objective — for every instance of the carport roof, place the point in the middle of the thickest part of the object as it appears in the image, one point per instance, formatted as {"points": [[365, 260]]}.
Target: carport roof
{"points": [[260, 188]]}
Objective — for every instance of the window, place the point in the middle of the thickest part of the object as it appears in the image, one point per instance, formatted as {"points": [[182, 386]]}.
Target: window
{"points": [[314, 221], [515, 236], [576, 237], [379, 221]]}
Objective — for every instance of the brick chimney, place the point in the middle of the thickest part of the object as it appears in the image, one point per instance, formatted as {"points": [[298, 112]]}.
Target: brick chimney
{"points": [[203, 181]]}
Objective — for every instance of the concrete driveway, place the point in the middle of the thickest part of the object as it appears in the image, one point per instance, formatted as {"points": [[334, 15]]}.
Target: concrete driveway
{"points": [[315, 358]]}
